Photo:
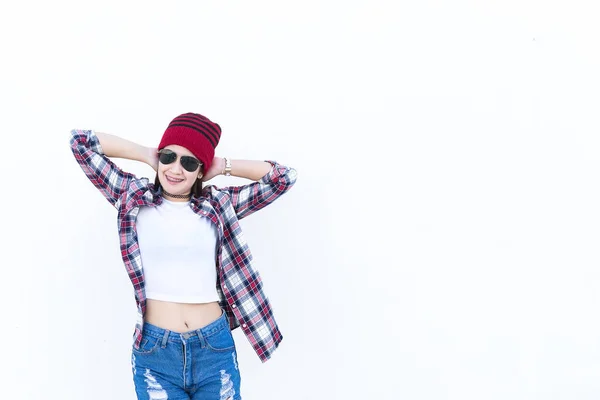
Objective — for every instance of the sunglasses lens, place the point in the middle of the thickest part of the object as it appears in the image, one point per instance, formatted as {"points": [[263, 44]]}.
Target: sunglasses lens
{"points": [[167, 158], [189, 163]]}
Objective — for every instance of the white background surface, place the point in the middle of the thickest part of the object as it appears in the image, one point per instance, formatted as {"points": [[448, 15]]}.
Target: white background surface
{"points": [[441, 241]]}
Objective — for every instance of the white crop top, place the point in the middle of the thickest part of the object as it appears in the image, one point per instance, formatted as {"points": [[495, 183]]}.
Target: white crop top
{"points": [[178, 249]]}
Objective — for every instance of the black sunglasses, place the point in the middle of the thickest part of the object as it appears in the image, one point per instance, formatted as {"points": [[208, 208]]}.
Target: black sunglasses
{"points": [[188, 162]]}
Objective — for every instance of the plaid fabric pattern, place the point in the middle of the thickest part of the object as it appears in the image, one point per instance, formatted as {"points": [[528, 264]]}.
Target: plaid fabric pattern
{"points": [[239, 286]]}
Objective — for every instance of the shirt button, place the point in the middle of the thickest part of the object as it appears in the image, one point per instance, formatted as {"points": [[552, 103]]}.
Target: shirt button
{"points": [[233, 306], [244, 326]]}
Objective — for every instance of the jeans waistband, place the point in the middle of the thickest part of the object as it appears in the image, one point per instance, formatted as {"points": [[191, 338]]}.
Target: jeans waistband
{"points": [[196, 334]]}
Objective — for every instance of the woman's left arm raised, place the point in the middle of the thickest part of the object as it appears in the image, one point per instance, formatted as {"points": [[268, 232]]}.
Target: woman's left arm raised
{"points": [[271, 181]]}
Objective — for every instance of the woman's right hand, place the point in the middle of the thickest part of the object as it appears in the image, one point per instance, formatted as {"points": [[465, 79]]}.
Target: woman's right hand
{"points": [[153, 158]]}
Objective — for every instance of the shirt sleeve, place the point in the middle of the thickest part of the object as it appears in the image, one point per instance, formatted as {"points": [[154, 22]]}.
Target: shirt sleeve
{"points": [[249, 198], [100, 170]]}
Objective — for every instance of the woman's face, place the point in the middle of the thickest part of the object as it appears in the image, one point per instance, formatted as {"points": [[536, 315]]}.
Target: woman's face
{"points": [[173, 177]]}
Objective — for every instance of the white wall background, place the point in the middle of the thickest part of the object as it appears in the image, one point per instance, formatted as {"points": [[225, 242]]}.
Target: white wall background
{"points": [[441, 241]]}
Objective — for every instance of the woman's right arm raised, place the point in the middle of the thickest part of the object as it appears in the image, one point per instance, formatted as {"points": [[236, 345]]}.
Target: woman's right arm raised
{"points": [[92, 149]]}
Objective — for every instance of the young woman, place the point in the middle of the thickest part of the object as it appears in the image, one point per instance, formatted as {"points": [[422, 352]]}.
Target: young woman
{"points": [[185, 254]]}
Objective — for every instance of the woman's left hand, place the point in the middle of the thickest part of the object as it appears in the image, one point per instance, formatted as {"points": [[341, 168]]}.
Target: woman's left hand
{"points": [[217, 167]]}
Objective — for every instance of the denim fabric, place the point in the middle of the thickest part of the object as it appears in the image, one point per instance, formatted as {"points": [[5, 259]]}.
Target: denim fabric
{"points": [[195, 365]]}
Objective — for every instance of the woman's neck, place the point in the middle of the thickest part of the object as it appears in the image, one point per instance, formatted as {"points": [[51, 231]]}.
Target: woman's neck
{"points": [[176, 197]]}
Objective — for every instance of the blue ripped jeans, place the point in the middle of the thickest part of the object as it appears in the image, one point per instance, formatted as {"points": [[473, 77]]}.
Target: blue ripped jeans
{"points": [[194, 365]]}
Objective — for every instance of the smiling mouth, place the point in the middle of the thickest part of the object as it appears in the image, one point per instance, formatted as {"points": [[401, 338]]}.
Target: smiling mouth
{"points": [[173, 180]]}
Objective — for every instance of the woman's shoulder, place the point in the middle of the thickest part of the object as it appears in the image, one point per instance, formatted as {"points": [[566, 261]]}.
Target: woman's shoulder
{"points": [[216, 193], [141, 183], [140, 186], [211, 190]]}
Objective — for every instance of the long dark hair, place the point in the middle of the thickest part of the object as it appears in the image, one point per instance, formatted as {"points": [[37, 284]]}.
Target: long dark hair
{"points": [[196, 187]]}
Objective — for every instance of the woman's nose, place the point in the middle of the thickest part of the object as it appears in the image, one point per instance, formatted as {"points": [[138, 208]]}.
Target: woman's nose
{"points": [[176, 166]]}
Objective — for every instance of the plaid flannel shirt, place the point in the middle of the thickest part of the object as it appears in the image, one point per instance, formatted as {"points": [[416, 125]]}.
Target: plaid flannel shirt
{"points": [[239, 286]]}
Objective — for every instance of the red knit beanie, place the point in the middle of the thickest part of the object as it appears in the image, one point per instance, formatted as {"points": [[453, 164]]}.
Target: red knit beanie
{"points": [[196, 133]]}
